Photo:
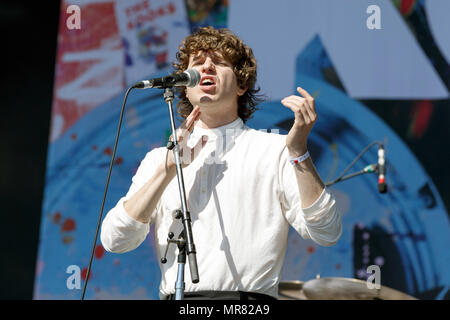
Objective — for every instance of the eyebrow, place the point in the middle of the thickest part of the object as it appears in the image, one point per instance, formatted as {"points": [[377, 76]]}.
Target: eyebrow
{"points": [[213, 54], [198, 57]]}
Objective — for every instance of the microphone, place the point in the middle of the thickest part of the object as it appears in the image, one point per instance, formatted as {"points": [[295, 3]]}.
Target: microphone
{"points": [[188, 78], [382, 187], [370, 168]]}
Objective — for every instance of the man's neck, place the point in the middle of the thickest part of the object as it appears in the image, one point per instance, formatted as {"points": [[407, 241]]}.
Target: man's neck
{"points": [[207, 121]]}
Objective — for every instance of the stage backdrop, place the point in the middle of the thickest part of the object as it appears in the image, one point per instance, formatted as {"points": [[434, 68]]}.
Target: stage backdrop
{"points": [[378, 74]]}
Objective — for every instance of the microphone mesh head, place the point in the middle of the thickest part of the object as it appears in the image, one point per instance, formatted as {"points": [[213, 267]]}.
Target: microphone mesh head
{"points": [[194, 77]]}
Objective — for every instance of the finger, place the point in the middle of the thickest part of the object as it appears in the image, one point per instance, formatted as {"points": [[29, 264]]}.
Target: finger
{"points": [[289, 104], [188, 120], [299, 101], [309, 105], [304, 93], [190, 128], [304, 103], [194, 110], [198, 147], [312, 113], [194, 114], [305, 115], [188, 125], [197, 114], [299, 115]]}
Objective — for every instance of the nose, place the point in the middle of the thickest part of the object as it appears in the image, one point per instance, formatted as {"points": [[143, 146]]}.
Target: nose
{"points": [[208, 65]]}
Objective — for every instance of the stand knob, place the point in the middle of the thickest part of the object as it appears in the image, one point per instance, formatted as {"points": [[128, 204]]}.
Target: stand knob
{"points": [[170, 236]]}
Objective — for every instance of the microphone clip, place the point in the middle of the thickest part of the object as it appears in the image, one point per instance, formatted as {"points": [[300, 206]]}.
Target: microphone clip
{"points": [[180, 242]]}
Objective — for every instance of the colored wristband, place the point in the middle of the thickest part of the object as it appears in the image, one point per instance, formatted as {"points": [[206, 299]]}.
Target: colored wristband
{"points": [[302, 158]]}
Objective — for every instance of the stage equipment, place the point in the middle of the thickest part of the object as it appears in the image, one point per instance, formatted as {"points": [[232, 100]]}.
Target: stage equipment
{"points": [[337, 289], [378, 168], [291, 290], [188, 78], [349, 289]]}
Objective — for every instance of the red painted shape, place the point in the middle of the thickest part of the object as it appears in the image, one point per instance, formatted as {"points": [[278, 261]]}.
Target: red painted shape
{"points": [[67, 240], [99, 251], [406, 6], [56, 217], [108, 151], [311, 249], [68, 225], [84, 273], [422, 115]]}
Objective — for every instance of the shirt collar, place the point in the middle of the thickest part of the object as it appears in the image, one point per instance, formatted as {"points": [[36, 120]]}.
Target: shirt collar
{"points": [[219, 131]]}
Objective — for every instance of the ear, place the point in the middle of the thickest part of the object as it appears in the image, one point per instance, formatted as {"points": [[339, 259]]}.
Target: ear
{"points": [[241, 91]]}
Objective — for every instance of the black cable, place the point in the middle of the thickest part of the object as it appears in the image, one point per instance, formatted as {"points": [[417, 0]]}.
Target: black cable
{"points": [[105, 192], [339, 178]]}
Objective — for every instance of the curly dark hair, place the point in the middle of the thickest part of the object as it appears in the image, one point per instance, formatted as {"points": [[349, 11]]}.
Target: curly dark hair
{"points": [[233, 50]]}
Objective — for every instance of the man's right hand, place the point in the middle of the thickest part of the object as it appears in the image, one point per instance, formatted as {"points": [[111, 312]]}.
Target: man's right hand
{"points": [[187, 154]]}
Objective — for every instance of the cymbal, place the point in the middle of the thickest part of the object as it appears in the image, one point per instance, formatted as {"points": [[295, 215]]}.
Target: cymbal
{"points": [[349, 289], [291, 290]]}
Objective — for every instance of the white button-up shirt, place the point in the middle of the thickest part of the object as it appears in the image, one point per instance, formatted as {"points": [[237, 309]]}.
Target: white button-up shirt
{"points": [[242, 194]]}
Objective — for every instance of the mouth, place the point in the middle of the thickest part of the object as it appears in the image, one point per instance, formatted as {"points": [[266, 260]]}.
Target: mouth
{"points": [[207, 82]]}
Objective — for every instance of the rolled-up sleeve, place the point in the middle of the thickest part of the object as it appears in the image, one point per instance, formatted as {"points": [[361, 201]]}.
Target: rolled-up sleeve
{"points": [[120, 232], [321, 221]]}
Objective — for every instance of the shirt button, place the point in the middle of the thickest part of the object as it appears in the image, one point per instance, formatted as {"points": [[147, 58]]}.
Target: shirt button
{"points": [[203, 190]]}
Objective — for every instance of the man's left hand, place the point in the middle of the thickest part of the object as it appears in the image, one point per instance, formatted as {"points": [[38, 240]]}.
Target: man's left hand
{"points": [[305, 117]]}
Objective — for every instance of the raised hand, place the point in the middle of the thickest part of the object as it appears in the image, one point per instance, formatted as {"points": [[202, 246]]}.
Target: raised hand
{"points": [[305, 117], [187, 154]]}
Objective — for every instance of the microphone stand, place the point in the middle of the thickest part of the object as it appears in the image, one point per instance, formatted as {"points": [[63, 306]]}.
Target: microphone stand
{"points": [[181, 214], [371, 168], [105, 192], [185, 240]]}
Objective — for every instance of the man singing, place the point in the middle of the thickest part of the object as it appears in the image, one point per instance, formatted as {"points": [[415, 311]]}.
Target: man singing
{"points": [[244, 187]]}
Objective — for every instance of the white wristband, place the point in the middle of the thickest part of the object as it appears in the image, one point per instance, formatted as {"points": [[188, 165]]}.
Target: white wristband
{"points": [[302, 158]]}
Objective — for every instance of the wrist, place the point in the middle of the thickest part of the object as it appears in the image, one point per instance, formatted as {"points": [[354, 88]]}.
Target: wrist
{"points": [[168, 168], [297, 152], [300, 159]]}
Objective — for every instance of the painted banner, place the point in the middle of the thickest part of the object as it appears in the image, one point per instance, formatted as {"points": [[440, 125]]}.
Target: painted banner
{"points": [[377, 74], [151, 32]]}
